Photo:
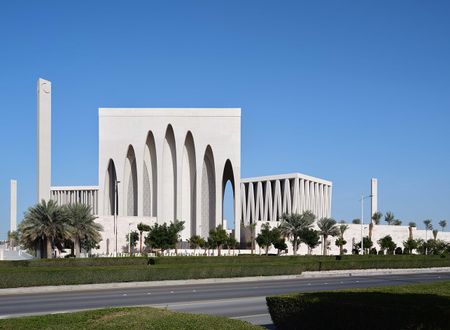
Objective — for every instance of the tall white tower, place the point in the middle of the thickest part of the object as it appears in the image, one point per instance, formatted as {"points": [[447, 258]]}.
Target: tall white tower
{"points": [[44, 147], [13, 206], [374, 194]]}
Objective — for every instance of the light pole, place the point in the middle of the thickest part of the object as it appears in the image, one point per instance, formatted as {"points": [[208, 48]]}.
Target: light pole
{"points": [[362, 220], [116, 201]]}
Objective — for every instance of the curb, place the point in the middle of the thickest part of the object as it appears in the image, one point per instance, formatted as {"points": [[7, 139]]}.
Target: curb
{"points": [[304, 275]]}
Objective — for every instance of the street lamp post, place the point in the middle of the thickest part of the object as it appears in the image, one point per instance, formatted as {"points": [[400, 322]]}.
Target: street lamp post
{"points": [[362, 220], [116, 201], [129, 238]]}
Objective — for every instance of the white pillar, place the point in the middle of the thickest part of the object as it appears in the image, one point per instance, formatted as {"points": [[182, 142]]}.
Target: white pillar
{"points": [[44, 96], [13, 207], [374, 198]]}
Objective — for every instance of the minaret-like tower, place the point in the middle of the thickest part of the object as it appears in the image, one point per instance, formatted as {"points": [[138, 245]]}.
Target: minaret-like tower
{"points": [[374, 196], [44, 144], [13, 206]]}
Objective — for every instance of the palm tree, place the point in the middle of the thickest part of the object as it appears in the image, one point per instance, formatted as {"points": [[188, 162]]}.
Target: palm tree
{"points": [[293, 224], [142, 227], [435, 232], [341, 241], [428, 226], [389, 217], [327, 228], [411, 225], [443, 224], [44, 226], [82, 225], [376, 217]]}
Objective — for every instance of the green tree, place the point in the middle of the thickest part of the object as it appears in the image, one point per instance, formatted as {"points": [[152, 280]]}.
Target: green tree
{"points": [[231, 243], [428, 226], [132, 239], [82, 226], [159, 238], [142, 227], [411, 225], [376, 217], [356, 221], [410, 245], [264, 238], [443, 224], [386, 243], [310, 237], [367, 244], [44, 226], [218, 238], [195, 242], [389, 218], [293, 224], [340, 242], [397, 222], [327, 227], [175, 229], [435, 232], [13, 238]]}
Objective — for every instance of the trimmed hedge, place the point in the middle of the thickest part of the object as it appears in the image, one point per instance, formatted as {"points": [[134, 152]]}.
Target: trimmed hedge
{"points": [[105, 270], [409, 307]]}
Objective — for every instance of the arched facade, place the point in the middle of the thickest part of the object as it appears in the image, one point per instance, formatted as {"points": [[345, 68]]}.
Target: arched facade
{"points": [[189, 187], [150, 178], [130, 185], [169, 177], [110, 179], [208, 193]]}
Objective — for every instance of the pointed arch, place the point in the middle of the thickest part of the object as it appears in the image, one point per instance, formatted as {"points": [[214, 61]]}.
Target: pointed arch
{"points": [[189, 187], [228, 176], [169, 177], [150, 178], [109, 200], [208, 197], [130, 184]]}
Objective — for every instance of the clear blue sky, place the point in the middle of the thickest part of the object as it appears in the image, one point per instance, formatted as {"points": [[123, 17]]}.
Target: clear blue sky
{"points": [[344, 90]]}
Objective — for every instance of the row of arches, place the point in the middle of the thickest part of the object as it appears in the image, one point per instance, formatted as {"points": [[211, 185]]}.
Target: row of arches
{"points": [[267, 200], [195, 203]]}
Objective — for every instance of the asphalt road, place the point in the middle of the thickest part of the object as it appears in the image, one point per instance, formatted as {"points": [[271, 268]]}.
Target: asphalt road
{"points": [[240, 300]]}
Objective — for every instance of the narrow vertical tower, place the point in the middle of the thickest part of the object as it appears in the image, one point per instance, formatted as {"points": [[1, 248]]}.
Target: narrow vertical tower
{"points": [[374, 196], [44, 116], [13, 206]]}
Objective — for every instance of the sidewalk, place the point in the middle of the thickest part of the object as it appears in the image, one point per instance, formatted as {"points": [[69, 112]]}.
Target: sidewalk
{"points": [[304, 275]]}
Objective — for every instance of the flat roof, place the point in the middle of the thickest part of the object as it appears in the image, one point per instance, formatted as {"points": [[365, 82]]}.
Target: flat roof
{"points": [[286, 176], [169, 112]]}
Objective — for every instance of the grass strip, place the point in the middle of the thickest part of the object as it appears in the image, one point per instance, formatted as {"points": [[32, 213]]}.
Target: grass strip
{"points": [[126, 318]]}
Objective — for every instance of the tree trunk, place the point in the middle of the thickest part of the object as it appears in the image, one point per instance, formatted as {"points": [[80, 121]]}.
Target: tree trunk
{"points": [[410, 233], [370, 230], [325, 245], [294, 246], [140, 242], [267, 250], [341, 249], [76, 244], [218, 250], [49, 248]]}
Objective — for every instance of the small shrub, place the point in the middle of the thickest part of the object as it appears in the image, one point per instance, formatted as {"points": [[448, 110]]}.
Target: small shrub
{"points": [[398, 250]]}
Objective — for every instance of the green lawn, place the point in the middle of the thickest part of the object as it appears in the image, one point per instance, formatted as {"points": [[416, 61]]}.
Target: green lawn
{"points": [[418, 306], [107, 270], [126, 318]]}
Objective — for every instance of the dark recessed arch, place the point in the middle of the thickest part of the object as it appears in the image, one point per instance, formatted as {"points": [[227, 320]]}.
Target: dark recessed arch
{"points": [[208, 194], [188, 186], [169, 177], [130, 184], [150, 178], [109, 198]]}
